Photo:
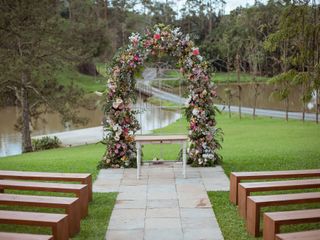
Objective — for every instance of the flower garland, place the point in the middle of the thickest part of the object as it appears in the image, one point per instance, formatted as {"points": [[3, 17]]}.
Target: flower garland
{"points": [[121, 123]]}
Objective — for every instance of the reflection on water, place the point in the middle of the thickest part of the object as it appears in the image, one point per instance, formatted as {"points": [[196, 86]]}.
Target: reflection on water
{"points": [[10, 140]]}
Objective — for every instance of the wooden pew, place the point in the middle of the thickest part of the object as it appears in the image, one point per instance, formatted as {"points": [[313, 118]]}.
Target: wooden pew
{"points": [[236, 177], [245, 189], [71, 206], [57, 222], [254, 204], [24, 236], [273, 221], [306, 235], [83, 178], [80, 190]]}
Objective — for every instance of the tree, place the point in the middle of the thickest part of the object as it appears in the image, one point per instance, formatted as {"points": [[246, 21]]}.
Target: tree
{"points": [[283, 84], [33, 45]]}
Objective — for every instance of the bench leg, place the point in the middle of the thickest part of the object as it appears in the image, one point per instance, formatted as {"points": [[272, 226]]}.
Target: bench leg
{"points": [[233, 196], [74, 217], [83, 197], [88, 181], [242, 201], [270, 228], [253, 218], [60, 230]]}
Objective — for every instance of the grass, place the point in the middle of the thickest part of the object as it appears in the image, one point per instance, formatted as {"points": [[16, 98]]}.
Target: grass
{"points": [[233, 226], [168, 105], [220, 77], [88, 83], [253, 145], [261, 144], [75, 159]]}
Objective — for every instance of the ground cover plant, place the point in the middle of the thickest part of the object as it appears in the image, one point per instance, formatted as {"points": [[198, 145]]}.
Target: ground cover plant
{"points": [[75, 159], [249, 145], [220, 77]]}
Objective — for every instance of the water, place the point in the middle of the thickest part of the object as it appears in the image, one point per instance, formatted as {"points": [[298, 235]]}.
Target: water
{"points": [[10, 140], [265, 99]]}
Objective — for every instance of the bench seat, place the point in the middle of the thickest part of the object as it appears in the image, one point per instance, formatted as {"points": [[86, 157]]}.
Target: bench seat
{"points": [[24, 236], [254, 204], [273, 221], [57, 222], [84, 178], [71, 206], [245, 189], [80, 190], [236, 177], [306, 235]]}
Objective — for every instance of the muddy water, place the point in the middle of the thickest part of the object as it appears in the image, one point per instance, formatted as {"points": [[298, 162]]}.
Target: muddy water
{"points": [[265, 99], [151, 117]]}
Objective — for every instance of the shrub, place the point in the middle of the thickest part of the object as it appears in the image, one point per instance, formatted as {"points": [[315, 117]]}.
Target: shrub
{"points": [[46, 143]]}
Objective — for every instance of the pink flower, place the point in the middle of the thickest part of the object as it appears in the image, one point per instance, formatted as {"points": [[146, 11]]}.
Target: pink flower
{"points": [[157, 36], [136, 58], [195, 51]]}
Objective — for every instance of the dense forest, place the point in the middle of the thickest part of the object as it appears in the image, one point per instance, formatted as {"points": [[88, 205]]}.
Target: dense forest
{"points": [[279, 39]]}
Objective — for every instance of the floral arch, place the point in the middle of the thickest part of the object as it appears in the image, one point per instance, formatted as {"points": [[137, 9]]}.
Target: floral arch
{"points": [[200, 111]]}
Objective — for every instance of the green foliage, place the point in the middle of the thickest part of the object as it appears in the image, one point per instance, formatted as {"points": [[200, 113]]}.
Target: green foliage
{"points": [[45, 143]]}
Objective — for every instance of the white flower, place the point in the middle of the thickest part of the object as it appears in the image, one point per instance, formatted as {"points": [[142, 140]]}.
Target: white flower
{"points": [[117, 103], [200, 58], [187, 101], [115, 127], [187, 38], [117, 138], [195, 112]]}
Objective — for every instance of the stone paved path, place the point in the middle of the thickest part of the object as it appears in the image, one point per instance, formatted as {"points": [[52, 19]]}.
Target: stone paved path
{"points": [[162, 204]]}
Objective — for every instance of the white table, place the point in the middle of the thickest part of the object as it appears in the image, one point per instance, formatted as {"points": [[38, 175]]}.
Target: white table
{"points": [[166, 139]]}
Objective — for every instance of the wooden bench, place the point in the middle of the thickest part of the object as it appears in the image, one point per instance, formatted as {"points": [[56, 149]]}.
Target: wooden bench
{"points": [[273, 221], [71, 206], [57, 222], [306, 235], [236, 177], [23, 236], [254, 203], [244, 189], [83, 178], [80, 190]]}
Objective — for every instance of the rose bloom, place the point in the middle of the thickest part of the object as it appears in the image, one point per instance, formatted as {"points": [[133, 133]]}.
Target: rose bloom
{"points": [[196, 51], [156, 36], [136, 58]]}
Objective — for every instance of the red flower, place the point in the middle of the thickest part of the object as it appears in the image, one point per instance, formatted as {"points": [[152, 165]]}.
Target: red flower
{"points": [[196, 51], [157, 36]]}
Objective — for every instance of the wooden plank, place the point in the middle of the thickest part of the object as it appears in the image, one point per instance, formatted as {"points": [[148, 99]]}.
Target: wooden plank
{"points": [[236, 177], [306, 235], [245, 189], [80, 190], [24, 236], [254, 204], [273, 221], [151, 138], [84, 178], [57, 222], [70, 205]]}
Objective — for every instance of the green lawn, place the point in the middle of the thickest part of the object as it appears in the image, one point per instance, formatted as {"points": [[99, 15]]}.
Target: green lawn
{"points": [[75, 159], [88, 83], [261, 144], [253, 145], [220, 77]]}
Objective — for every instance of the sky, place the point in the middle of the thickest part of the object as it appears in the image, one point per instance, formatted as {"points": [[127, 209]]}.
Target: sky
{"points": [[230, 4]]}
